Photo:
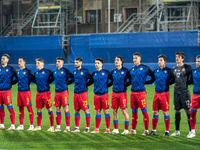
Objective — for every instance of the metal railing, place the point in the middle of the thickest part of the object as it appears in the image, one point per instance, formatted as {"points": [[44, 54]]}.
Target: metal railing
{"points": [[16, 25], [11, 27], [140, 18]]}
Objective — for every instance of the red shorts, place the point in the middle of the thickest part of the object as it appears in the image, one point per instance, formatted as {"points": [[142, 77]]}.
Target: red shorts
{"points": [[81, 101], [24, 99], [119, 100], [43, 99], [195, 101], [5, 97], [138, 99], [161, 101], [61, 99], [101, 101]]}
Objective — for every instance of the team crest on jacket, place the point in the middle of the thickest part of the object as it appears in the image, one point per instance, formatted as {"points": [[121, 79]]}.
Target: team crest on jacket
{"points": [[122, 72], [62, 72], [183, 69], [81, 73], [165, 71], [24, 73], [141, 68], [42, 72], [102, 74], [6, 70]]}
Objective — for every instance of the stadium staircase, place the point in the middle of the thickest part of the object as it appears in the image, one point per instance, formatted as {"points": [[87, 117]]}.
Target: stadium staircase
{"points": [[15, 26], [134, 24], [55, 12]]}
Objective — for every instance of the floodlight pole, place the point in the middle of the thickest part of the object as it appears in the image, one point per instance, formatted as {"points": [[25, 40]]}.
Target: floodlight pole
{"points": [[97, 16], [76, 15], [18, 10], [108, 16], [1, 15], [18, 24], [140, 12], [117, 15], [158, 25]]}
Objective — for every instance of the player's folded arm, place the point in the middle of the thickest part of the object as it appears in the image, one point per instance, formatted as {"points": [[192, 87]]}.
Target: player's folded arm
{"points": [[71, 77], [151, 74], [51, 78]]}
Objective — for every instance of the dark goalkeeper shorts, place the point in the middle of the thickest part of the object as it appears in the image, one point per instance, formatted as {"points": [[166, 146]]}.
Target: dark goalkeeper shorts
{"points": [[182, 101]]}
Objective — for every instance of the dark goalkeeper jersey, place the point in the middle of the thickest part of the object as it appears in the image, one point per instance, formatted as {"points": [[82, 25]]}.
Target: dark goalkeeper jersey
{"points": [[181, 77]]}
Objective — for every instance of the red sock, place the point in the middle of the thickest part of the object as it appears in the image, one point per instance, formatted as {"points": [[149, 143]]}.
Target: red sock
{"points": [[21, 115], [167, 123], [107, 119], [87, 117], [193, 119], [77, 120], [146, 120], [2, 114], [31, 115], [12, 114], [126, 125], [97, 121], [154, 121], [134, 120], [39, 118], [58, 118], [115, 123], [51, 118], [67, 118]]}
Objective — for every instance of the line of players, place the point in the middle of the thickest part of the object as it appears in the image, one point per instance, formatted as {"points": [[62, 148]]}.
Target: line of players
{"points": [[120, 78]]}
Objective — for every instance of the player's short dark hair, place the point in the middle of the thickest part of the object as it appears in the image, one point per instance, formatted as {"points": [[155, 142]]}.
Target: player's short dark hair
{"points": [[40, 60], [163, 56], [99, 59], [121, 58], [198, 56], [60, 58], [137, 54], [24, 59], [6, 55], [181, 54], [79, 59]]}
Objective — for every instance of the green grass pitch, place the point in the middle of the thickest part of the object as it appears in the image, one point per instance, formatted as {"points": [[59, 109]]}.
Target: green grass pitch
{"points": [[60, 140]]}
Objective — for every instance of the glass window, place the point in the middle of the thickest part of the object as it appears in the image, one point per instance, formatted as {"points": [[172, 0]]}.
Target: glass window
{"points": [[7, 18], [112, 12], [175, 13], [130, 11], [91, 16]]}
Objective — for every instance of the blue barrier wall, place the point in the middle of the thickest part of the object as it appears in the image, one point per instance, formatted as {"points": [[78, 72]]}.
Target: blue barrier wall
{"points": [[106, 46], [31, 47], [150, 45]]}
